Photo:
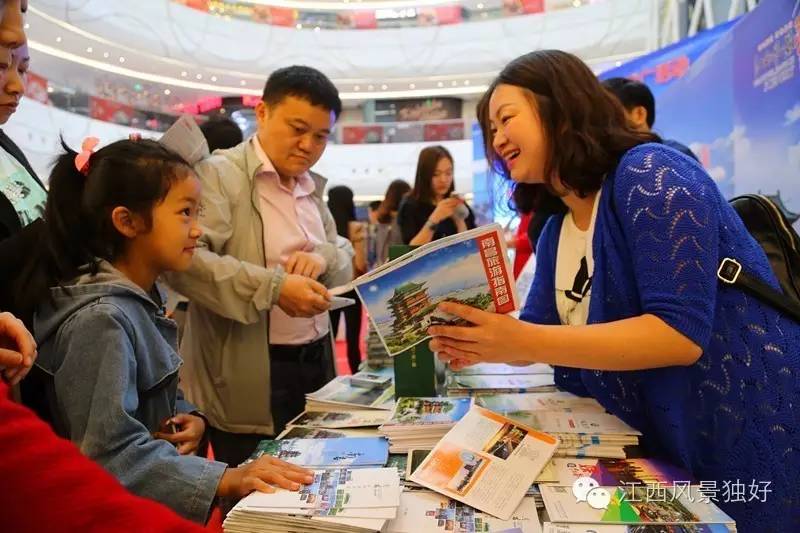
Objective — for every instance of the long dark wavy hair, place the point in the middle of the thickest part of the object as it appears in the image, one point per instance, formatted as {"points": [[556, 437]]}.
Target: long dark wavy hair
{"points": [[584, 125], [397, 190], [426, 166]]}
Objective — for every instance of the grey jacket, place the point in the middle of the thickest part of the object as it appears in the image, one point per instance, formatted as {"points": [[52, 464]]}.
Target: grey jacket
{"points": [[111, 355], [225, 344]]}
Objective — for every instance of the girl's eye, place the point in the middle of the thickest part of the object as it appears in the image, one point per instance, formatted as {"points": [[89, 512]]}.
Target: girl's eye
{"points": [[504, 120], [187, 212]]}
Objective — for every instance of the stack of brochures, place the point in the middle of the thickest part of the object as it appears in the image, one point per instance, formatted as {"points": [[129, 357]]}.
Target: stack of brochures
{"points": [[419, 423], [583, 428], [327, 453], [633, 505], [402, 296], [550, 527], [377, 356], [336, 419], [475, 385], [300, 432], [502, 369], [339, 500], [341, 394], [610, 472], [429, 512], [486, 461]]}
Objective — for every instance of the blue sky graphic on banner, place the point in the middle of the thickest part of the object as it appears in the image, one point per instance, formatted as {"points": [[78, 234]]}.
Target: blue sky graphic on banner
{"points": [[738, 107]]}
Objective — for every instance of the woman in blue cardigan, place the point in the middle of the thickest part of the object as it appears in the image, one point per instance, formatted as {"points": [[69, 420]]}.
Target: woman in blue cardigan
{"points": [[626, 303]]}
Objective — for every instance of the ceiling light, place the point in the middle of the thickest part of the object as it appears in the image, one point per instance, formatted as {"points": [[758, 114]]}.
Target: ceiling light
{"points": [[371, 87], [199, 76], [480, 6], [167, 92], [618, 63], [58, 39], [454, 83], [440, 84], [106, 54], [89, 50], [121, 59], [316, 28], [213, 78], [299, 26], [356, 88], [466, 82], [184, 74], [222, 110], [384, 86], [412, 86], [27, 26], [242, 83]]}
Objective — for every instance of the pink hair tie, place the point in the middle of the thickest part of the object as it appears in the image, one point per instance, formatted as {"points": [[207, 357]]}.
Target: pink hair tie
{"points": [[87, 149], [135, 137]]}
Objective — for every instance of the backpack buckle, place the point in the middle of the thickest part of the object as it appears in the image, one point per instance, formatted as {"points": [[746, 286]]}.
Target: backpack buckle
{"points": [[729, 270]]}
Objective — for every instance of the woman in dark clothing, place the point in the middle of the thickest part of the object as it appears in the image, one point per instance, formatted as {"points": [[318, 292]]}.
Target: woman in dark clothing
{"points": [[343, 209], [431, 211]]}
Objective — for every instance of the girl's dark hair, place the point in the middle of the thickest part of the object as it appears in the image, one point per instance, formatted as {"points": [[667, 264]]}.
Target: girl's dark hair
{"points": [[78, 229], [343, 209], [391, 201], [426, 166], [584, 125]]}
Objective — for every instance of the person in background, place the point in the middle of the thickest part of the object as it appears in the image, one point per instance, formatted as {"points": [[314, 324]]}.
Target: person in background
{"points": [[430, 211], [257, 335], [221, 133], [626, 303], [372, 211], [521, 243], [384, 230], [640, 108], [115, 221], [343, 209]]}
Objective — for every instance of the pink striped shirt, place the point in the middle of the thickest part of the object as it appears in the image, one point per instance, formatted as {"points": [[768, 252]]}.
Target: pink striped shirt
{"points": [[291, 223]]}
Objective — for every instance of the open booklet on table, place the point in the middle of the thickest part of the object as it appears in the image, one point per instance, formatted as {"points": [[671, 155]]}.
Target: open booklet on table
{"points": [[401, 297]]}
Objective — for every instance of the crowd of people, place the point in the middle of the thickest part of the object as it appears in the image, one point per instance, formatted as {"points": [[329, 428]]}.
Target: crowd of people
{"points": [[627, 228]]}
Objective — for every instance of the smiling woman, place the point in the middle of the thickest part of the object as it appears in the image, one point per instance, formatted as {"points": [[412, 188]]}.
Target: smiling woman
{"points": [[625, 301]]}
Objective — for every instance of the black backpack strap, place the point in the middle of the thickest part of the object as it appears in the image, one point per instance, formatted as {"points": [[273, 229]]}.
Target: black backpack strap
{"points": [[731, 272]]}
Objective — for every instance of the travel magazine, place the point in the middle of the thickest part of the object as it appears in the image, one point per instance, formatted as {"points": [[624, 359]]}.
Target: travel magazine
{"points": [[401, 297], [486, 461]]}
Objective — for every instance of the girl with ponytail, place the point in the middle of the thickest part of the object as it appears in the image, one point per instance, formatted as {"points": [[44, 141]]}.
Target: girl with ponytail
{"points": [[115, 221]]}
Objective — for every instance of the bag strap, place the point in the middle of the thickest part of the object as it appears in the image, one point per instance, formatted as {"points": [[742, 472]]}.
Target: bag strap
{"points": [[730, 272]]}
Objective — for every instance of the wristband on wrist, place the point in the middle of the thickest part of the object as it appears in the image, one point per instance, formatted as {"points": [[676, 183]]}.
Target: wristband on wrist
{"points": [[430, 224]]}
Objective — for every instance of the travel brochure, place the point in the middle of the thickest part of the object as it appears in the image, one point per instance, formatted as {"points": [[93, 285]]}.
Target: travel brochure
{"points": [[538, 401], [341, 395], [417, 412], [487, 461], [609, 472], [502, 369], [586, 528], [341, 419], [630, 505], [401, 297], [428, 512], [344, 500], [458, 385], [300, 432], [327, 453]]}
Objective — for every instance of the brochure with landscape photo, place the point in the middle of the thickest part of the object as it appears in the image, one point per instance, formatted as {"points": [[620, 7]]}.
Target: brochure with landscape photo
{"points": [[631, 505], [609, 472], [486, 461], [428, 512], [327, 453], [593, 528], [425, 411], [471, 268], [505, 403], [341, 419]]}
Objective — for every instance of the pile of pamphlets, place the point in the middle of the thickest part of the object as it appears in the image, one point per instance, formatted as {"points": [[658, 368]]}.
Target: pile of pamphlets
{"points": [[339, 500], [341, 394], [419, 423], [327, 453]]}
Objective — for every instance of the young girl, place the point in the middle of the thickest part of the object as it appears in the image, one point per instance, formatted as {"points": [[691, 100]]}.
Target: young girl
{"points": [[626, 301], [430, 211], [116, 220]]}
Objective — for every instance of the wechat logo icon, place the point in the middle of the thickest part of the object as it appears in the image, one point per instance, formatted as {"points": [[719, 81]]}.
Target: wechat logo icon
{"points": [[586, 489]]}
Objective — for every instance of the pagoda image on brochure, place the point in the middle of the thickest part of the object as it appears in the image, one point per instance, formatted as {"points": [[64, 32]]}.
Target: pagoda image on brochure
{"points": [[406, 304]]}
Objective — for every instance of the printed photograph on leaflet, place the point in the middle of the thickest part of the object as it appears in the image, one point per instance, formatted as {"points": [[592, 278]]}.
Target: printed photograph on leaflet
{"points": [[337, 452], [594, 528], [506, 403], [429, 512], [486, 461], [341, 391], [340, 419], [470, 268], [422, 411], [300, 432], [610, 472]]}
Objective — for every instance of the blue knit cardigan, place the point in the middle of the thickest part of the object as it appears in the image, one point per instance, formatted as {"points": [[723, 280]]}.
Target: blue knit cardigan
{"points": [[662, 227]]}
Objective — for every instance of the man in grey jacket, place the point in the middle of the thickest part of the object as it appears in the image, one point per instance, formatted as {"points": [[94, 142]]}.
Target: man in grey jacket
{"points": [[257, 336]]}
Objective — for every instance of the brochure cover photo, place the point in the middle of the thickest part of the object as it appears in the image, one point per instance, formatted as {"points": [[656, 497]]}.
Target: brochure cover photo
{"points": [[470, 268]]}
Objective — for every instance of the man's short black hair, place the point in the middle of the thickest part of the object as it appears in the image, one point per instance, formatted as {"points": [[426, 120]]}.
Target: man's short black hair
{"points": [[632, 94], [221, 133], [302, 82]]}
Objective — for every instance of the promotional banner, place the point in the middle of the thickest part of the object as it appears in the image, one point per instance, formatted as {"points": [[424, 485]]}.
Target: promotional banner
{"points": [[36, 88], [738, 107], [110, 111]]}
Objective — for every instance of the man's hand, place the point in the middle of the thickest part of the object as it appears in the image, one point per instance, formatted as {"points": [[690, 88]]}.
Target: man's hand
{"points": [[17, 349], [306, 264], [262, 475], [190, 433], [303, 297]]}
